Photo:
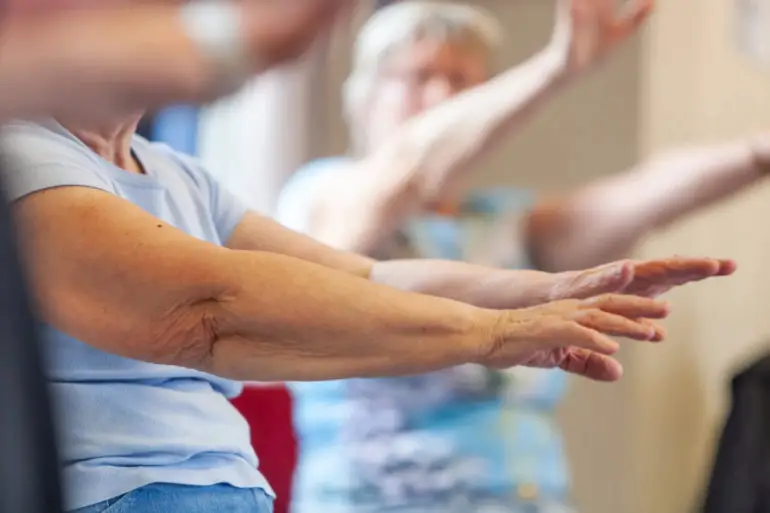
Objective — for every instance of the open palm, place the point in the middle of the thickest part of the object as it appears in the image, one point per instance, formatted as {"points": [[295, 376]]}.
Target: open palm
{"points": [[588, 30]]}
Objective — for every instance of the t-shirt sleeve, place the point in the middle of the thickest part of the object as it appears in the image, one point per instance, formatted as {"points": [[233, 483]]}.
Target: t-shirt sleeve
{"points": [[227, 210], [35, 162]]}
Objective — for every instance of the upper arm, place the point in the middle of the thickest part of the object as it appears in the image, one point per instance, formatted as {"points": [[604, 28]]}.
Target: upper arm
{"points": [[106, 272], [546, 224], [256, 232], [586, 228]]}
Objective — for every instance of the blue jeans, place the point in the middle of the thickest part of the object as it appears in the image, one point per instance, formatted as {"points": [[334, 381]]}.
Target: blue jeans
{"points": [[169, 498]]}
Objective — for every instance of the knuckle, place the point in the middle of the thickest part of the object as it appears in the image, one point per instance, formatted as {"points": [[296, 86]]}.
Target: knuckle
{"points": [[590, 316], [598, 302], [610, 299], [574, 328]]}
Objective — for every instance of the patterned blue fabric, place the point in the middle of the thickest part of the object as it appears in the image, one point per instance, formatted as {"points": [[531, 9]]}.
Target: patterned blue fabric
{"points": [[465, 439]]}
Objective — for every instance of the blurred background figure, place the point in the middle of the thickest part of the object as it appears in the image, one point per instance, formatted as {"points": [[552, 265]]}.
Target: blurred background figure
{"points": [[202, 51], [422, 106]]}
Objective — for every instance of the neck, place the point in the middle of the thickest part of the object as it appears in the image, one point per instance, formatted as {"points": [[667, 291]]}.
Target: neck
{"points": [[112, 142]]}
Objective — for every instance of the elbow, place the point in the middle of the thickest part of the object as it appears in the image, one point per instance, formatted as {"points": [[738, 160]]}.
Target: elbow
{"points": [[579, 248], [187, 336], [184, 336], [580, 233], [547, 232]]}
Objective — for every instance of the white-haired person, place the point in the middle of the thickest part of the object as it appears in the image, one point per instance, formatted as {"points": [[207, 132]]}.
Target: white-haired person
{"points": [[423, 105]]}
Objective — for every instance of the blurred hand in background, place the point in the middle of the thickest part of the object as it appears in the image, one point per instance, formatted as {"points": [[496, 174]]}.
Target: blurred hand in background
{"points": [[589, 30]]}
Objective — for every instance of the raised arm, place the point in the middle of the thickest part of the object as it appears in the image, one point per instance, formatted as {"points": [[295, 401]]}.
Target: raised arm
{"points": [[119, 279], [91, 61], [604, 220], [480, 285], [364, 202]]}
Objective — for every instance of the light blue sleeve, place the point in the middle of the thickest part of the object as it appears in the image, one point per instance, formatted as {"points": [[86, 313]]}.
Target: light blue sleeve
{"points": [[227, 210], [296, 198], [37, 159]]}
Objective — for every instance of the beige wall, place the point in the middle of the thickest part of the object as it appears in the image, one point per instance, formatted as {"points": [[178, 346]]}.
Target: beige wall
{"points": [[644, 444], [697, 88]]}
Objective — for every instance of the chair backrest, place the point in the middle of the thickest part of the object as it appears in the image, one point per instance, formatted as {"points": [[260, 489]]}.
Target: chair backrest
{"points": [[29, 467], [268, 410], [740, 477]]}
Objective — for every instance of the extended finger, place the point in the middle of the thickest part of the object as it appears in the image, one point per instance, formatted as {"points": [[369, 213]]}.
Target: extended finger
{"points": [[660, 331], [578, 336], [726, 267], [613, 277], [651, 278], [677, 269], [701, 270], [633, 307], [616, 325], [592, 365]]}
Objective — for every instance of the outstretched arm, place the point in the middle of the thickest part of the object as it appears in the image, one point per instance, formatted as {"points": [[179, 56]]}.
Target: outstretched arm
{"points": [[108, 273], [479, 285], [603, 221], [365, 201], [95, 62]]}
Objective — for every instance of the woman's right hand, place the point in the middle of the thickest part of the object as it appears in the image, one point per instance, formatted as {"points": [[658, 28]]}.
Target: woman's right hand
{"points": [[573, 334]]}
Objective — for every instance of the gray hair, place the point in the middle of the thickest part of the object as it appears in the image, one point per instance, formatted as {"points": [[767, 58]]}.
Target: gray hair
{"points": [[405, 22]]}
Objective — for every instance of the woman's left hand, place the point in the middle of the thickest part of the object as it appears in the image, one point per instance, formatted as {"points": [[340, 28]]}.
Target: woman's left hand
{"points": [[647, 278]]}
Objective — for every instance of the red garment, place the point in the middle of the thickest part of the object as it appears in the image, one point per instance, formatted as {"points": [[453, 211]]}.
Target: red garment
{"points": [[268, 412]]}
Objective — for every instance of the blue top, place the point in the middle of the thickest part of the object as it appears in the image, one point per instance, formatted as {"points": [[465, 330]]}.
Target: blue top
{"points": [[125, 423], [455, 440], [177, 126]]}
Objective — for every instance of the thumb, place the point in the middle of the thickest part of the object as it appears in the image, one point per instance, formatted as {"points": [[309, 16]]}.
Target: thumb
{"points": [[605, 279], [592, 365]]}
